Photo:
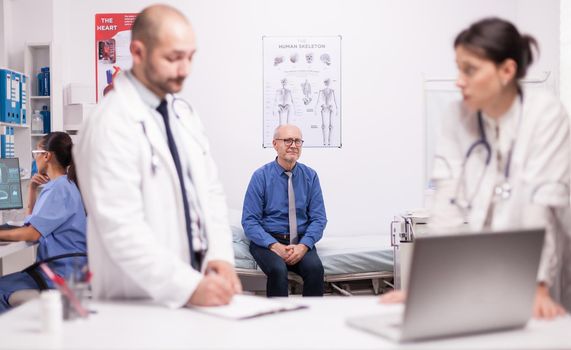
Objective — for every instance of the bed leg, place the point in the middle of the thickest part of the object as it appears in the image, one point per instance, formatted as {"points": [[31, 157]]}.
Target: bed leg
{"points": [[376, 285]]}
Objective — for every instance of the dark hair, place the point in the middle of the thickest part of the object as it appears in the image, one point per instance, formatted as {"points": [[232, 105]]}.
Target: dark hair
{"points": [[60, 144], [497, 40]]}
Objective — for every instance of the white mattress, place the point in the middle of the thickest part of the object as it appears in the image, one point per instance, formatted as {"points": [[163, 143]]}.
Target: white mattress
{"points": [[355, 254], [339, 254]]}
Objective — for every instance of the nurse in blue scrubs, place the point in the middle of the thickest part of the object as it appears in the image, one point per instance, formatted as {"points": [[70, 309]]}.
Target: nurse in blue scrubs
{"points": [[56, 219]]}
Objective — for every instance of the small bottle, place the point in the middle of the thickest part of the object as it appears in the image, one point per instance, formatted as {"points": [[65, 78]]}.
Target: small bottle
{"points": [[45, 113], [51, 311], [41, 88], [37, 123], [45, 71], [34, 169]]}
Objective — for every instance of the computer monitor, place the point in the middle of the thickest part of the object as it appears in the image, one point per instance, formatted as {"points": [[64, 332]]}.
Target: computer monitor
{"points": [[10, 184]]}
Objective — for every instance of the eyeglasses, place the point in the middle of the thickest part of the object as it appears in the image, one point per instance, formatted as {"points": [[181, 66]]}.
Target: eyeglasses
{"points": [[289, 142], [38, 151]]}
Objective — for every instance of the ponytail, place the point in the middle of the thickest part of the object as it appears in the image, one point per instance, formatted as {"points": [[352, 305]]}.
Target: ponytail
{"points": [[60, 144], [527, 44]]}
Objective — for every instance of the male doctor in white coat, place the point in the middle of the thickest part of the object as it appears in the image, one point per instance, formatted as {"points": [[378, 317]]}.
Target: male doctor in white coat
{"points": [[157, 223]]}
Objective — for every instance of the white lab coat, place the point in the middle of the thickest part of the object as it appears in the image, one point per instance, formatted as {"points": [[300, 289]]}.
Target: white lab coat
{"points": [[538, 128], [137, 241]]}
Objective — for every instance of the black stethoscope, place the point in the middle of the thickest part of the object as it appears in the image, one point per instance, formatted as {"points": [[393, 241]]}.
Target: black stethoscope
{"points": [[501, 191], [176, 101]]}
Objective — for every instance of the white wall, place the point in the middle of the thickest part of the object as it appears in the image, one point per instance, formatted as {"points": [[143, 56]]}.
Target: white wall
{"points": [[542, 19], [31, 21], [387, 47], [565, 53], [4, 29]]}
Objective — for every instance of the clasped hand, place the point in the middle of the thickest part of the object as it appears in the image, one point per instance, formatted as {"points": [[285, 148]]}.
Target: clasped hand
{"points": [[291, 254]]}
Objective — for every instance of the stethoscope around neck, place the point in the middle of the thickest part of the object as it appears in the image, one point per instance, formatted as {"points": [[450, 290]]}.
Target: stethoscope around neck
{"points": [[502, 191], [176, 101]]}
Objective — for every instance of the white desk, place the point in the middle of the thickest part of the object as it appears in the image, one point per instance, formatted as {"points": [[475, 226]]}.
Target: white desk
{"points": [[8, 248], [322, 326]]}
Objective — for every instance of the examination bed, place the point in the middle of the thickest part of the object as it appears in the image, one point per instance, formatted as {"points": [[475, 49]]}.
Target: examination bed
{"points": [[353, 264]]}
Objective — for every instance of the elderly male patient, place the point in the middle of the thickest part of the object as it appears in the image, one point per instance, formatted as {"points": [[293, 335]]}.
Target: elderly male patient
{"points": [[284, 217]]}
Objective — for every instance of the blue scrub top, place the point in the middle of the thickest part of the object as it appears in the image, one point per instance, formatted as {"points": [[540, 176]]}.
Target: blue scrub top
{"points": [[60, 218]]}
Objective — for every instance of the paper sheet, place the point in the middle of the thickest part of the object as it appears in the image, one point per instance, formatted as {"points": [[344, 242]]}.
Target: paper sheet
{"points": [[248, 306]]}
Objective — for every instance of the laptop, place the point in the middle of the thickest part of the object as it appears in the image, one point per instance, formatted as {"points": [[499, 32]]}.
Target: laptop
{"points": [[464, 284]]}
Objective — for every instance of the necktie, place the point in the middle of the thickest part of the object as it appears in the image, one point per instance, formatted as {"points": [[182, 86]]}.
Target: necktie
{"points": [[292, 215], [162, 109]]}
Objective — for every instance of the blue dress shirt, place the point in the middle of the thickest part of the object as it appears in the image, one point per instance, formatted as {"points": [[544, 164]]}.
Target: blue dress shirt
{"points": [[59, 216], [266, 205]]}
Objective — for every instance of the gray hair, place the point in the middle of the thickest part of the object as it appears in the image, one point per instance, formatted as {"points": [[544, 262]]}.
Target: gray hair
{"points": [[277, 130]]}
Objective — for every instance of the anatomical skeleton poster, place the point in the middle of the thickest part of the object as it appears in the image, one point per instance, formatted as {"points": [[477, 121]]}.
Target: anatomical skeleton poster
{"points": [[302, 86]]}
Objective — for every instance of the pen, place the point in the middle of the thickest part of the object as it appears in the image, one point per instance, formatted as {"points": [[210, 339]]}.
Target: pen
{"points": [[64, 289]]}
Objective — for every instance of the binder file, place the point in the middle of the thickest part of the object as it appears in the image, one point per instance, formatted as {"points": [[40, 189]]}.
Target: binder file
{"points": [[5, 95], [24, 96]]}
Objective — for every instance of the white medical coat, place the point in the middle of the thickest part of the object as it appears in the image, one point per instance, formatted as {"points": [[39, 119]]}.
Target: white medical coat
{"points": [[537, 128], [137, 240]]}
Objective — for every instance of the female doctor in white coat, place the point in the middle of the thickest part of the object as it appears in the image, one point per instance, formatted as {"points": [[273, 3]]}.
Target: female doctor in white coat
{"points": [[503, 156]]}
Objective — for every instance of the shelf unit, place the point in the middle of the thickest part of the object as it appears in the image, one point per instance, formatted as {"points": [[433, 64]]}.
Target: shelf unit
{"points": [[36, 56]]}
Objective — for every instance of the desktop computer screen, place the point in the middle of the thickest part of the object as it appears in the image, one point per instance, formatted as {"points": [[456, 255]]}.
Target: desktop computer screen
{"points": [[10, 185]]}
